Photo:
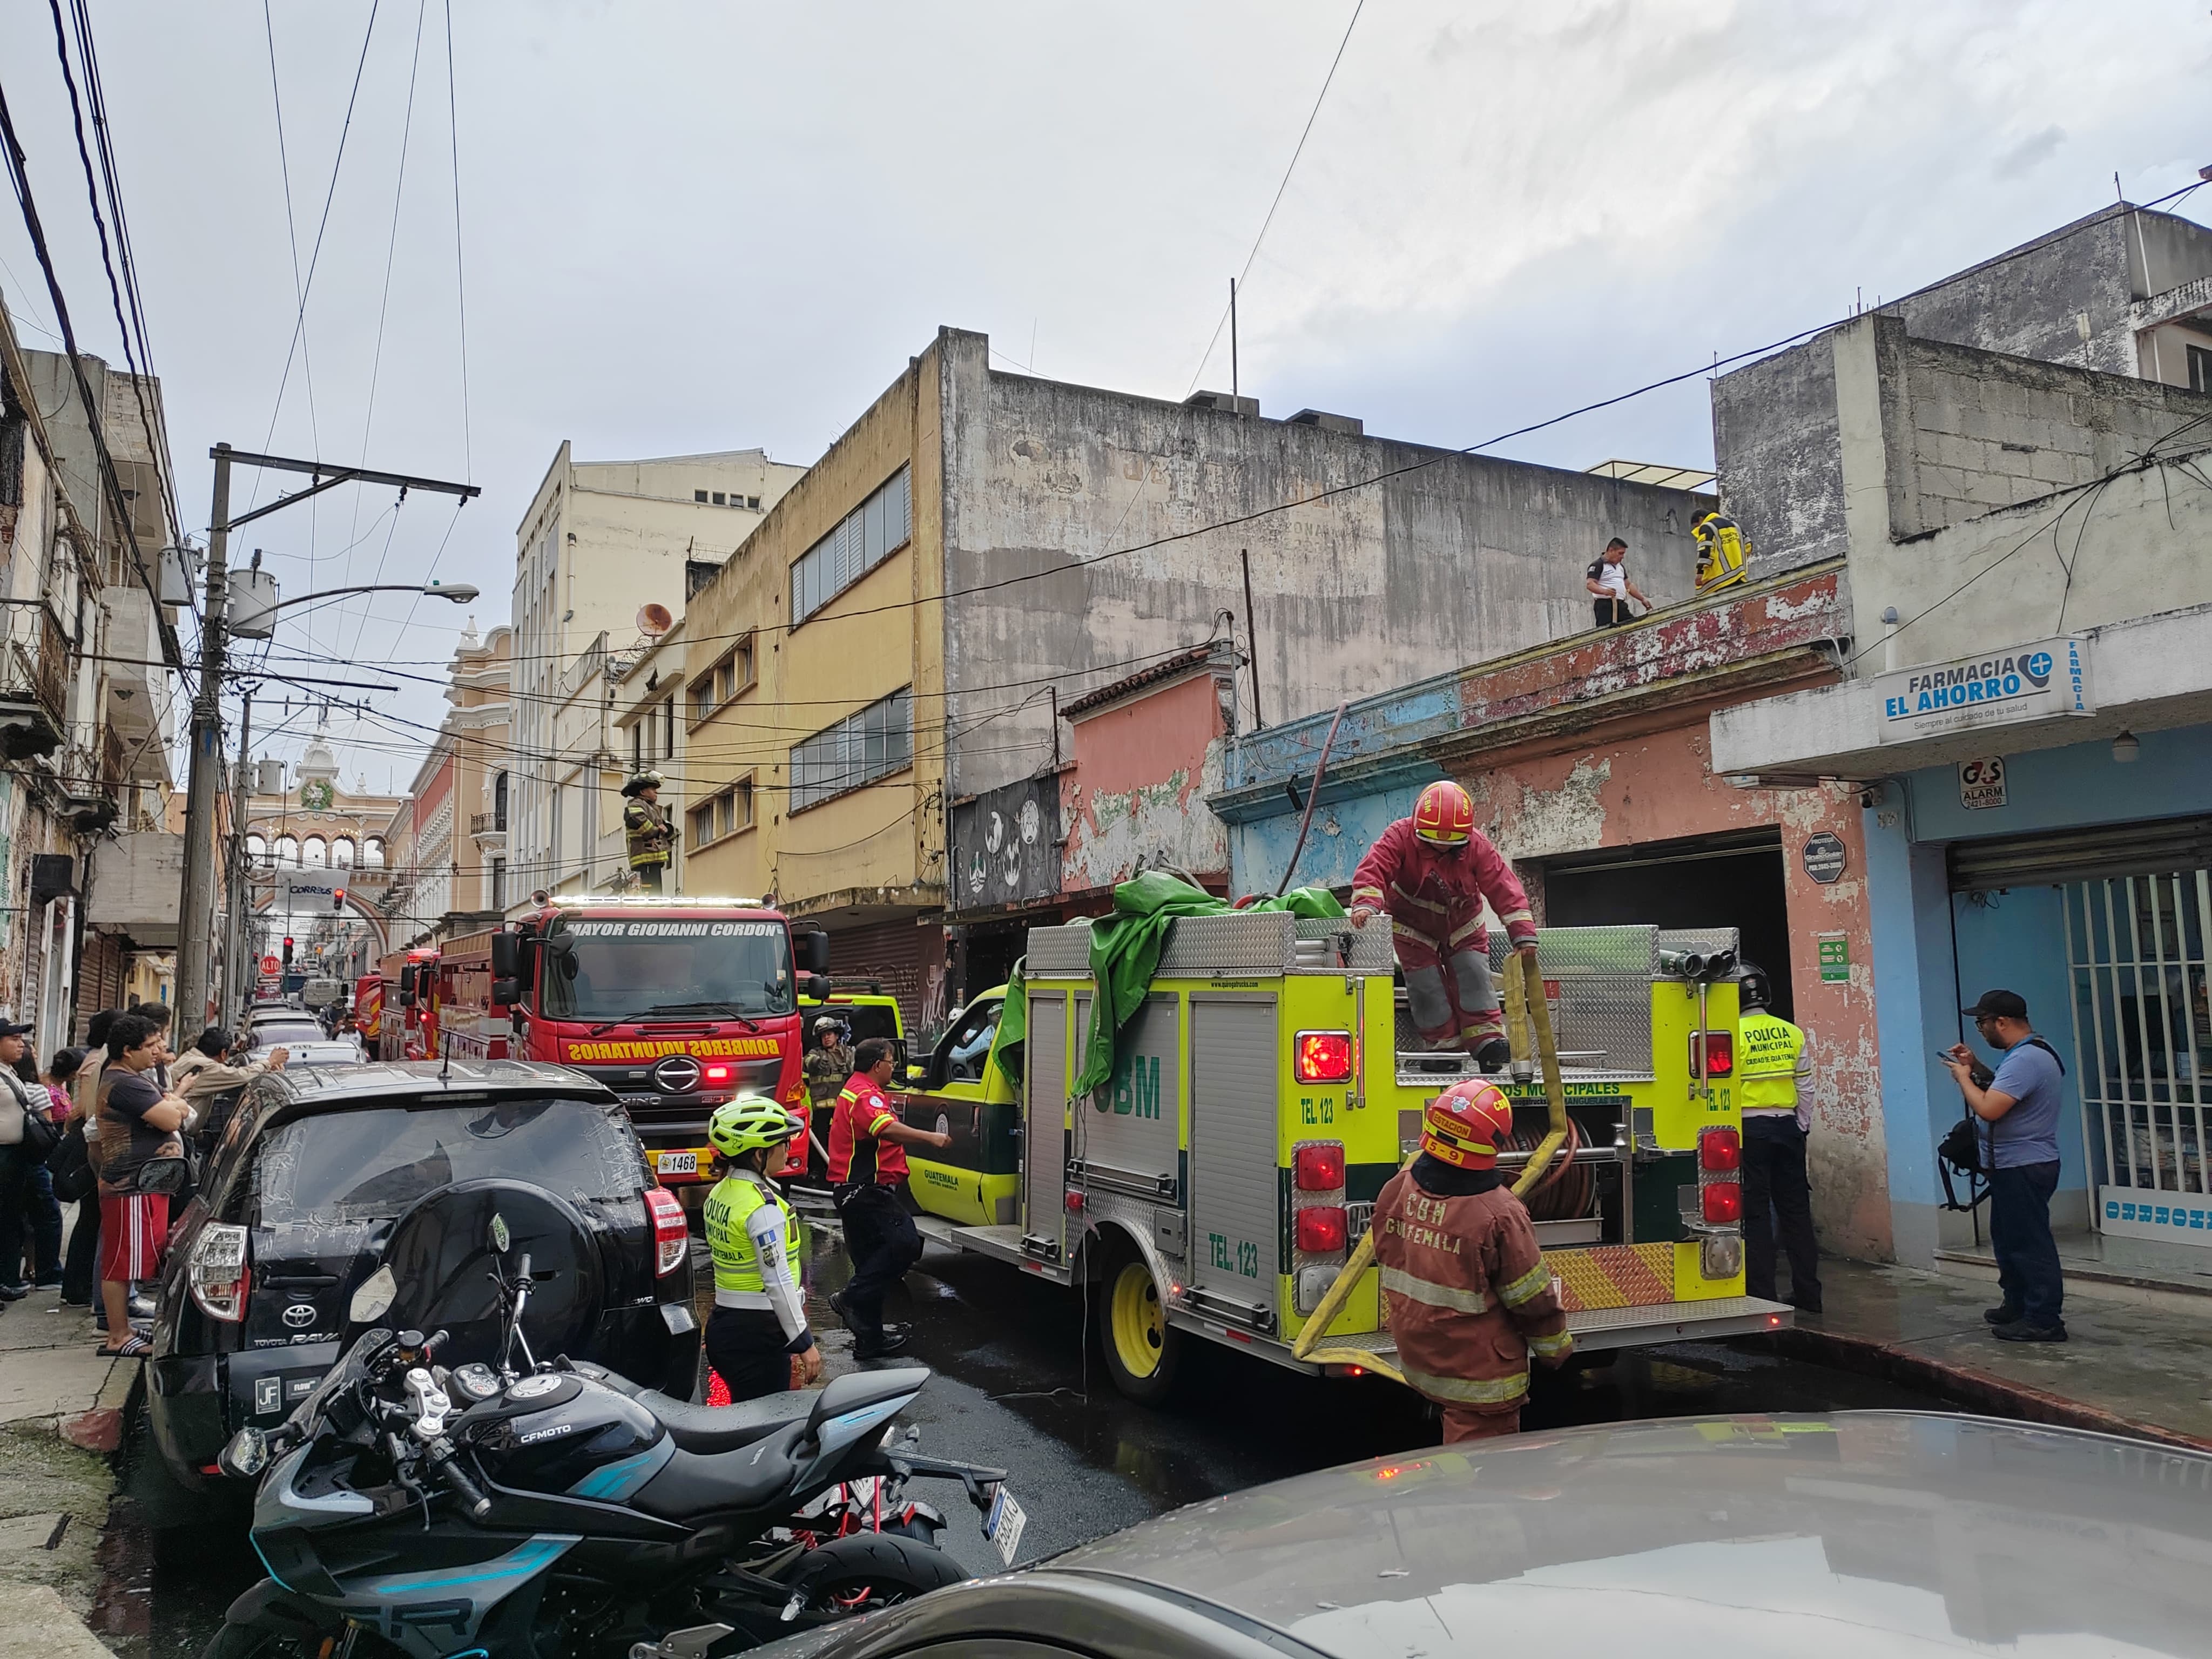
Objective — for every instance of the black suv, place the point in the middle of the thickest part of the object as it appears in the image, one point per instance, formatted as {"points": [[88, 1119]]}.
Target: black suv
{"points": [[323, 1175]]}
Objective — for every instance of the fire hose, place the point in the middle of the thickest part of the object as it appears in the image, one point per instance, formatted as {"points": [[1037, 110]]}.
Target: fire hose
{"points": [[1525, 1006]]}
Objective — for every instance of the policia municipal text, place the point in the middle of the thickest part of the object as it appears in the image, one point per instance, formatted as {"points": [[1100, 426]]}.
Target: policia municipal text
{"points": [[759, 1322]]}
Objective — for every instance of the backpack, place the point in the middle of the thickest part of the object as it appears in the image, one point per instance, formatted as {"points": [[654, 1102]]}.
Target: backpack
{"points": [[1960, 1149]]}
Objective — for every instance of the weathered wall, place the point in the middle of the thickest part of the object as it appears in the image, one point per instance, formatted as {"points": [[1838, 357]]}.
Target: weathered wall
{"points": [[1136, 799], [1776, 445], [2027, 301], [1463, 558], [1006, 846]]}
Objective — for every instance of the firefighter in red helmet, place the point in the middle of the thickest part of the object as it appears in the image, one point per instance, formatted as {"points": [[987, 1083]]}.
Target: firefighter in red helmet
{"points": [[1469, 1297], [1430, 873]]}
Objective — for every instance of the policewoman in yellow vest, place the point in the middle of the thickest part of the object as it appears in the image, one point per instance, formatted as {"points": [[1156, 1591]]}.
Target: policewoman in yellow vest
{"points": [[1773, 1069], [759, 1322]]}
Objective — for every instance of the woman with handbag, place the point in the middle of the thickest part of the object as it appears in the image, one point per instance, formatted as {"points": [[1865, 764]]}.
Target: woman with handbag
{"points": [[25, 1136], [139, 1126]]}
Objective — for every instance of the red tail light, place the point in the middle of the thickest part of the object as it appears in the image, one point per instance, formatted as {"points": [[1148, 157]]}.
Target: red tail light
{"points": [[717, 1072], [1321, 1229], [220, 1275], [1321, 1056], [1319, 1167], [1720, 1149], [1723, 1201], [1073, 1201], [671, 1234], [1720, 1052]]}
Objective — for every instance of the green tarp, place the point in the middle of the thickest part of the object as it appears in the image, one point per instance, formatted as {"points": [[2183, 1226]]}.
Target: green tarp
{"points": [[1125, 948]]}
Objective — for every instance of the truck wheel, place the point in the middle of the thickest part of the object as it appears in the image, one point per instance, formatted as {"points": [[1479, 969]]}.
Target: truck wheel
{"points": [[1142, 1352]]}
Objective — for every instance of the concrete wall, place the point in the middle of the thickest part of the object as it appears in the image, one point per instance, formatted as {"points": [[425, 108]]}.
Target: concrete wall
{"points": [[2027, 301], [1777, 445], [1464, 558], [1136, 799]]}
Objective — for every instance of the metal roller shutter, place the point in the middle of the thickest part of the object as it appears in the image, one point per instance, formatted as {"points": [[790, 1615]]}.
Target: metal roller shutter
{"points": [[901, 954], [2070, 855]]}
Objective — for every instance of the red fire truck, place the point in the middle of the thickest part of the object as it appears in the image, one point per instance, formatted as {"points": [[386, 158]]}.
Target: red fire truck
{"points": [[408, 1006], [675, 1003]]}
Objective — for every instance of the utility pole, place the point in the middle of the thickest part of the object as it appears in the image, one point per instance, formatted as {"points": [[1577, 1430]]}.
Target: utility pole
{"points": [[196, 917], [238, 975]]}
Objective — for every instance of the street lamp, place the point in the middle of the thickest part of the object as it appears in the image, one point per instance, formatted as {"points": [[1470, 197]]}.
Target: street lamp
{"points": [[253, 617]]}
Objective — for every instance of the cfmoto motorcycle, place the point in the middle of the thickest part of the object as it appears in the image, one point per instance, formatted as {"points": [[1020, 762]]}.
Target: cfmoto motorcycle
{"points": [[548, 1510]]}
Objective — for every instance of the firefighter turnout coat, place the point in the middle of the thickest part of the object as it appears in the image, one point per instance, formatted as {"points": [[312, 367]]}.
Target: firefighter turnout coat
{"points": [[1469, 1295], [646, 834], [1435, 894]]}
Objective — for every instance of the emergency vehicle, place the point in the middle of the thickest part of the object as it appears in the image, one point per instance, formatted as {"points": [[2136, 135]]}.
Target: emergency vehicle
{"points": [[676, 1004], [368, 1011], [407, 997], [1270, 1084]]}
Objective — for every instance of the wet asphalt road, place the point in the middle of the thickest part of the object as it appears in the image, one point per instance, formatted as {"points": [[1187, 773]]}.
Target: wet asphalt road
{"points": [[1017, 1386]]}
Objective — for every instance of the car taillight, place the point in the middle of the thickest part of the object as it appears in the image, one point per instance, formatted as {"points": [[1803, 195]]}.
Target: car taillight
{"points": [[218, 1273], [1720, 1052], [672, 1235], [1723, 1201], [1319, 1167], [716, 1071], [1321, 1229], [1720, 1149], [1321, 1056]]}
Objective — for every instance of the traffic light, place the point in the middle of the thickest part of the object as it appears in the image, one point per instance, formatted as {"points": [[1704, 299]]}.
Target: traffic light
{"points": [[337, 898], [288, 951]]}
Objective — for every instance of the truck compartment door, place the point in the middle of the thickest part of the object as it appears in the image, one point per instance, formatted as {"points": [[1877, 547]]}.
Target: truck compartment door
{"points": [[1235, 1064], [1044, 1134], [1126, 1132]]}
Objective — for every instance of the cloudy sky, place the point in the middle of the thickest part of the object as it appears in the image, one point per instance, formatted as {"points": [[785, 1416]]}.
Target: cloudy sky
{"points": [[692, 227]]}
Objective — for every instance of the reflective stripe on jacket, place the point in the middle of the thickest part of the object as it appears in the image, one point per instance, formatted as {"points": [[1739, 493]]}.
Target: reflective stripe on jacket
{"points": [[1436, 893], [742, 1279], [857, 1152], [1774, 1060], [1468, 1293], [646, 834]]}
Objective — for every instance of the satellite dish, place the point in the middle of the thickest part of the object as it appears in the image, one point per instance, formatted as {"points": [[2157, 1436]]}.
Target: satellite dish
{"points": [[655, 620]]}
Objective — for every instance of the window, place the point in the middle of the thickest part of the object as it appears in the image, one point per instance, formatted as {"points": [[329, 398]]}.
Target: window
{"points": [[702, 697], [753, 501], [288, 850], [870, 533], [637, 747], [728, 813], [719, 684], [668, 728], [698, 494], [860, 749], [2200, 369], [499, 884], [341, 852], [371, 852], [317, 853], [257, 849], [499, 800], [718, 498]]}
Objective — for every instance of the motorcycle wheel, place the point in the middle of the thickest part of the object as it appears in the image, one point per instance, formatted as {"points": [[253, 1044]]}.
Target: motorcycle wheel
{"points": [[260, 1642], [865, 1571]]}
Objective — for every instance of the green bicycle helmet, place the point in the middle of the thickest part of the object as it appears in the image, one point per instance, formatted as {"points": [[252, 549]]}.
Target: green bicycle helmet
{"points": [[750, 1123]]}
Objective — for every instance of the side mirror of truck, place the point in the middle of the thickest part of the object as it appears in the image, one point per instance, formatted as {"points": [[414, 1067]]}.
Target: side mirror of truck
{"points": [[814, 987], [814, 955], [506, 958], [507, 991]]}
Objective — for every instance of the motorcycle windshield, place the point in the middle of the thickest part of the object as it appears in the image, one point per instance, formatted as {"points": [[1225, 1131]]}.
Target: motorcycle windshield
{"points": [[616, 970], [307, 1415]]}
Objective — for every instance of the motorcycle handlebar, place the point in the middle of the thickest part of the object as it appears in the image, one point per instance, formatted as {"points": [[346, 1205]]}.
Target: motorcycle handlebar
{"points": [[455, 1480]]}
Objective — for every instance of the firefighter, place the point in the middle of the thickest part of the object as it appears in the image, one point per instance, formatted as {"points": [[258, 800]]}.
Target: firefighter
{"points": [[867, 1170], [1469, 1297], [1772, 1074], [646, 831], [1430, 873], [826, 1070], [759, 1322]]}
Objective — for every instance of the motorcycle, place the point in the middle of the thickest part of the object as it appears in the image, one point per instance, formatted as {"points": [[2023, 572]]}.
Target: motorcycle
{"points": [[546, 1510]]}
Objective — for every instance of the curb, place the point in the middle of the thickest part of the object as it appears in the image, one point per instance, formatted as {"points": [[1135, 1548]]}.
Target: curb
{"points": [[1977, 1390]]}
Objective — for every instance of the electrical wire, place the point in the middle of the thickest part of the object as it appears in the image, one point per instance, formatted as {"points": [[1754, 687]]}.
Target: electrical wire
{"points": [[292, 235]]}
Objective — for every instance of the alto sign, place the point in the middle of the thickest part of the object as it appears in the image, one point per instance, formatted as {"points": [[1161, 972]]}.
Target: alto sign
{"points": [[2002, 687]]}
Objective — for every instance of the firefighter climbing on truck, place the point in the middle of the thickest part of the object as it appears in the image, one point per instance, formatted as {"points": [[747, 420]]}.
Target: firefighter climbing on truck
{"points": [[1430, 873], [1470, 1298]]}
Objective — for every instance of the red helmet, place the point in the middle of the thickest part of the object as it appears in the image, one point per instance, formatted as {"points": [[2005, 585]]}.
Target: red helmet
{"points": [[1466, 1124], [1444, 816]]}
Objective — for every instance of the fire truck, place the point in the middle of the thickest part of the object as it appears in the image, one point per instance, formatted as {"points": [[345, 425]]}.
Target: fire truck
{"points": [[407, 1001], [1271, 1082], [675, 1003]]}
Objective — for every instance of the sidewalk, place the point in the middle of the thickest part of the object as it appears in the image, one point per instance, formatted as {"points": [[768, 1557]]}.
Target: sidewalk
{"points": [[61, 1410], [2127, 1368]]}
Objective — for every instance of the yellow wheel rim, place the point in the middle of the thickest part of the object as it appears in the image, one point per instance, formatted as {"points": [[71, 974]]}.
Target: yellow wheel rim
{"points": [[1141, 1329]]}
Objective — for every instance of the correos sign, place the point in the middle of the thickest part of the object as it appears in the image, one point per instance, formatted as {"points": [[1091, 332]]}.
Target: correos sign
{"points": [[2003, 688]]}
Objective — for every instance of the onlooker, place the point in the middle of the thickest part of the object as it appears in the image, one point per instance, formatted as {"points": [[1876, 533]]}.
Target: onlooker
{"points": [[2019, 1102], [17, 1163], [217, 1064], [139, 1123], [42, 1211], [61, 1072], [80, 1270], [1607, 580]]}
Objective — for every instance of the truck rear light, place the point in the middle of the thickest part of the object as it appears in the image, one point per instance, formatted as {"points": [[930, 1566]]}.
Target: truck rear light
{"points": [[1720, 1052], [1321, 1056], [1720, 1150], [716, 1071], [1723, 1201], [672, 1235], [1319, 1167], [1321, 1229], [219, 1274]]}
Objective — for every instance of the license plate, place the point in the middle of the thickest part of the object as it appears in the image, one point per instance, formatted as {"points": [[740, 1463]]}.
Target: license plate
{"points": [[677, 1164], [1003, 1525]]}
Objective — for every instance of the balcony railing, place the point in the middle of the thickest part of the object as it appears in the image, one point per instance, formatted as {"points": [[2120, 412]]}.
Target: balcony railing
{"points": [[487, 823], [34, 659]]}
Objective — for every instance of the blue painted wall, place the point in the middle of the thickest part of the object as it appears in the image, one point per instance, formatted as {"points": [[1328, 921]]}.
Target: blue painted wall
{"points": [[1342, 832], [2081, 784]]}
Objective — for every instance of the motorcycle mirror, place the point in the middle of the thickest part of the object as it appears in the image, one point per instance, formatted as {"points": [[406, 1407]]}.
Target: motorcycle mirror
{"points": [[245, 1455], [374, 1298]]}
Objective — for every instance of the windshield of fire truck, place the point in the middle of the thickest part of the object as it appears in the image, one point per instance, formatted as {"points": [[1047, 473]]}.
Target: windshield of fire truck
{"points": [[623, 968]]}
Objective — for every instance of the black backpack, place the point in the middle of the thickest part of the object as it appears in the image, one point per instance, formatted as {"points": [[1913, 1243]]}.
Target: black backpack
{"points": [[1960, 1149]]}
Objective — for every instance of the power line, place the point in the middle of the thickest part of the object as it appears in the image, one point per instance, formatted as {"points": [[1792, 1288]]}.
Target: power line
{"points": [[292, 235]]}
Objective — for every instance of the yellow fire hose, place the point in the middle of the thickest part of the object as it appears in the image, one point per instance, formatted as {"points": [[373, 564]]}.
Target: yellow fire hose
{"points": [[1525, 1005]]}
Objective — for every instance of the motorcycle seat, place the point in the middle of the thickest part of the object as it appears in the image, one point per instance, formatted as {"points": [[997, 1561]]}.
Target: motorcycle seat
{"points": [[692, 1485], [724, 1428]]}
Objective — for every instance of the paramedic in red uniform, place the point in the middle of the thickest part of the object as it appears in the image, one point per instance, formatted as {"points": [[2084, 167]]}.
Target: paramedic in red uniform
{"points": [[1430, 873], [867, 1168], [1469, 1295]]}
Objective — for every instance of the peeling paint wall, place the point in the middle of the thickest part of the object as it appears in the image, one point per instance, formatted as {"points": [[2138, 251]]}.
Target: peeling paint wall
{"points": [[1136, 799]]}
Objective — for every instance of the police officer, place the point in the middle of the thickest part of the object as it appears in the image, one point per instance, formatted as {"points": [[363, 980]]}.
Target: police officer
{"points": [[867, 1168], [1773, 1072], [759, 1322], [645, 830]]}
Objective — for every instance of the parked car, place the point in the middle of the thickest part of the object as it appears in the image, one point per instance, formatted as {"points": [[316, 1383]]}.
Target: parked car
{"points": [[324, 1173], [1862, 1533], [317, 1050]]}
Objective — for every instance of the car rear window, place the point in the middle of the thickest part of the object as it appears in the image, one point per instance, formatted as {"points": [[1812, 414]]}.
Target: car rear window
{"points": [[374, 1163], [869, 1019]]}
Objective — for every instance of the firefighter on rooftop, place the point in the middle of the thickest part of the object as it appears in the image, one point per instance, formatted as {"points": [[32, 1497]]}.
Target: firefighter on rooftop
{"points": [[646, 831], [1430, 873]]}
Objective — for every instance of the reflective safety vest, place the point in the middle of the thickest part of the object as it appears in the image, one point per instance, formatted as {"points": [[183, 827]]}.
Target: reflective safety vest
{"points": [[646, 834], [737, 1281], [1766, 1069], [1723, 547]]}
